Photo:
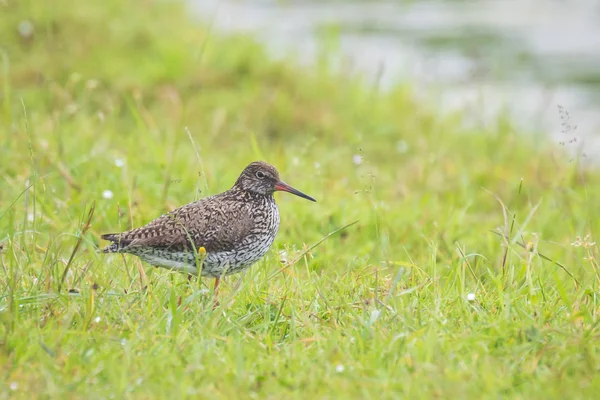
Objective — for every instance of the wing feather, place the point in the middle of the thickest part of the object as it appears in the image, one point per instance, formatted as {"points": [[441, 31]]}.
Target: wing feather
{"points": [[214, 225]]}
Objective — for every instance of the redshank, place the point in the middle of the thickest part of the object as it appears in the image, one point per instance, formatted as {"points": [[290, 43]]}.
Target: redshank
{"points": [[222, 234]]}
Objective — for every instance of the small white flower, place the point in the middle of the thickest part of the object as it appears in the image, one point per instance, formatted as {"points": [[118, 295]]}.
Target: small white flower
{"points": [[357, 159], [119, 162], [107, 194], [25, 29], [123, 342], [401, 146], [339, 368], [283, 256], [374, 316], [97, 319], [14, 386], [30, 217], [471, 296]]}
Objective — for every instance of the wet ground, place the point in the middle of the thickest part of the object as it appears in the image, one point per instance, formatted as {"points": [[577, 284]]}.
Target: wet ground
{"points": [[525, 57]]}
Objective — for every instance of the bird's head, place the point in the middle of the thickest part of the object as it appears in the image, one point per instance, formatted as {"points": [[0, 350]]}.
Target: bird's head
{"points": [[262, 178]]}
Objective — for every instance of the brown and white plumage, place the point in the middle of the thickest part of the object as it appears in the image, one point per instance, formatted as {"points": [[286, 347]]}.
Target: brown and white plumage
{"points": [[236, 228]]}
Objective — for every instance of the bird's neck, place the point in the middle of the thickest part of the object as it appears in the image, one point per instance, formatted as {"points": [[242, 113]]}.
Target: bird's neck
{"points": [[247, 195]]}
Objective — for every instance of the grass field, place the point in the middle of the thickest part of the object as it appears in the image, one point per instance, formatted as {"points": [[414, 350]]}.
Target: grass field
{"points": [[114, 112]]}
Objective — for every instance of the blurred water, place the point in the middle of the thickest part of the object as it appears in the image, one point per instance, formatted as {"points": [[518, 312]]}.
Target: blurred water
{"points": [[524, 57]]}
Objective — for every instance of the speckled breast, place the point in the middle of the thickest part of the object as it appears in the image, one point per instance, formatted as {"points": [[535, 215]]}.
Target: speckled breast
{"points": [[250, 249]]}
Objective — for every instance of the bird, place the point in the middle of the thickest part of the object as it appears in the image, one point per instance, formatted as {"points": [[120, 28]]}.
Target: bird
{"points": [[215, 236]]}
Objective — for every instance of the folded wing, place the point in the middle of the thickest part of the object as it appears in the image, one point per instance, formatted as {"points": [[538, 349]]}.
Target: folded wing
{"points": [[216, 226]]}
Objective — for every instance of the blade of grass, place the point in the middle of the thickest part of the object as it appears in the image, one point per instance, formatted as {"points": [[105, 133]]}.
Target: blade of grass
{"points": [[85, 227], [305, 252]]}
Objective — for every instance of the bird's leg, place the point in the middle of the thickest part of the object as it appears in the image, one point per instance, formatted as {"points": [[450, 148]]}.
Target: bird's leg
{"points": [[216, 292]]}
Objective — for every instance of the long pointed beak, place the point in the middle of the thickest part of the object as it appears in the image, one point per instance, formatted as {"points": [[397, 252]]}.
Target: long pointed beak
{"points": [[284, 187]]}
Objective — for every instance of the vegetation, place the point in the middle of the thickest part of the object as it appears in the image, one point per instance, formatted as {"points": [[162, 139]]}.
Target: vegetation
{"points": [[114, 112]]}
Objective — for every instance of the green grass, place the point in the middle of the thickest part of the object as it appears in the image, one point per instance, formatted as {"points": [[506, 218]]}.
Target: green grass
{"points": [[378, 310]]}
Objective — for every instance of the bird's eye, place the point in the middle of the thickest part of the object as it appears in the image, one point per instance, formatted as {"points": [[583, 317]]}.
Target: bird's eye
{"points": [[260, 174]]}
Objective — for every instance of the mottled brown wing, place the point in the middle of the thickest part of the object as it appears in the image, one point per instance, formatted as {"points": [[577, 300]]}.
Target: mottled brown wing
{"points": [[214, 225]]}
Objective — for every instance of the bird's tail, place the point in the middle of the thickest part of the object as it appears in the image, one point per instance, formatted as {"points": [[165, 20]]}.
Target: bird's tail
{"points": [[115, 246]]}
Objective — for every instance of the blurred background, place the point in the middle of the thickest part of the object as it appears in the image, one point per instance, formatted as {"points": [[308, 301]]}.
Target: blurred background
{"points": [[473, 268], [522, 58]]}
